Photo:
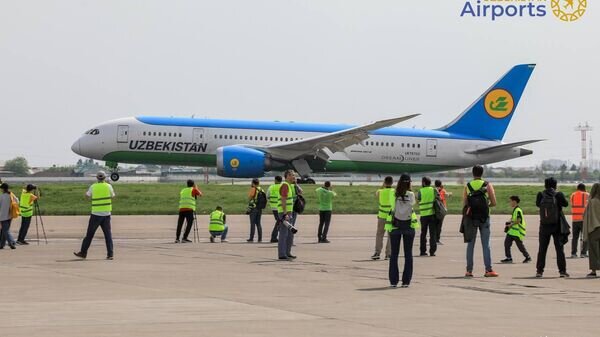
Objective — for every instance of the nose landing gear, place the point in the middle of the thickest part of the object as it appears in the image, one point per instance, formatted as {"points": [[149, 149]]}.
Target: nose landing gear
{"points": [[114, 168]]}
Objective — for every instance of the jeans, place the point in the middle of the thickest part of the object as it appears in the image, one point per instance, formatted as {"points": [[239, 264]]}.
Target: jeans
{"points": [[577, 228], [508, 243], [428, 222], [255, 216], [188, 216], [484, 232], [25, 222], [275, 231], [5, 234], [223, 234], [379, 238], [406, 233], [95, 222], [324, 220], [547, 231], [286, 237]]}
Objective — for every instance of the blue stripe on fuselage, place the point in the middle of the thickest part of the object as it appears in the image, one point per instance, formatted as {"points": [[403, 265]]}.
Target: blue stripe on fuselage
{"points": [[292, 126]]}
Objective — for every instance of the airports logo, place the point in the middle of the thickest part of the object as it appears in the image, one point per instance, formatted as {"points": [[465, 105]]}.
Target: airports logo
{"points": [[565, 10], [234, 163], [569, 12], [499, 103]]}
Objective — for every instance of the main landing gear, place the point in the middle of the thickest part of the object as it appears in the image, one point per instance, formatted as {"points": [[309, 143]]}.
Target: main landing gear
{"points": [[305, 180]]}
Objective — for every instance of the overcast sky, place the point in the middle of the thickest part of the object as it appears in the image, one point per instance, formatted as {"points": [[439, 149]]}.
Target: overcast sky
{"points": [[66, 66]]}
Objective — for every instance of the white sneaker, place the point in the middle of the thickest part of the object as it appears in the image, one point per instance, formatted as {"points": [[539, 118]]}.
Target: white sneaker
{"points": [[224, 241]]}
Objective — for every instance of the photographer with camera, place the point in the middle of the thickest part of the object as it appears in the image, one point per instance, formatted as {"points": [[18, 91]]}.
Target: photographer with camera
{"points": [[287, 217], [187, 209], [257, 200], [515, 231], [26, 205]]}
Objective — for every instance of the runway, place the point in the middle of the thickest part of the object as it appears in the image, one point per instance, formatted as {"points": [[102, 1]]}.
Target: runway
{"points": [[157, 288]]}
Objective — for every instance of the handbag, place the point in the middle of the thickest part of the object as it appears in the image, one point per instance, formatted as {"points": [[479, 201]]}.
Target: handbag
{"points": [[15, 209]]}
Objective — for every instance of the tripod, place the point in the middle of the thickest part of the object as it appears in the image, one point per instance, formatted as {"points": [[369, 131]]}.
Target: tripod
{"points": [[195, 224], [38, 215]]}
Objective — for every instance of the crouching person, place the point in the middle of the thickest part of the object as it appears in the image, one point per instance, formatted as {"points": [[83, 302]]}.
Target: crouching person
{"points": [[217, 225]]}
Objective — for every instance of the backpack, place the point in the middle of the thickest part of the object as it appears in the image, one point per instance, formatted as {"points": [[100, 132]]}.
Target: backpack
{"points": [[478, 204], [261, 199], [548, 208], [299, 204]]}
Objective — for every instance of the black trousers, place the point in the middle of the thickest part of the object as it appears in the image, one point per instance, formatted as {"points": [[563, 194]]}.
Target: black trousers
{"points": [[547, 232], [324, 221], [577, 230], [439, 229], [25, 222], [508, 243], [188, 216], [95, 222], [428, 222], [255, 224], [407, 234], [275, 231]]}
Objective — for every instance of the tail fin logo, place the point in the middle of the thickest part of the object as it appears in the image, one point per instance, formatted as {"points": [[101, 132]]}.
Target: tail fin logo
{"points": [[499, 103]]}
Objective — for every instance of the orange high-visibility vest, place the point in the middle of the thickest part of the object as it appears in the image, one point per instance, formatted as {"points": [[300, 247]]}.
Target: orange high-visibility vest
{"points": [[579, 200]]}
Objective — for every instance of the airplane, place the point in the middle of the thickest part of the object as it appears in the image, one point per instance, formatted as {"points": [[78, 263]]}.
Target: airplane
{"points": [[249, 149]]}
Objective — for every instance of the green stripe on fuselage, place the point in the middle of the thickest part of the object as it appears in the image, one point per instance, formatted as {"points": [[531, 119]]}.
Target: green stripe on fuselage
{"points": [[162, 158], [210, 160], [378, 167]]}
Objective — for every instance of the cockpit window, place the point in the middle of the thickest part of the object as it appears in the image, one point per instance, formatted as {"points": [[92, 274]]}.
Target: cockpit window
{"points": [[92, 132]]}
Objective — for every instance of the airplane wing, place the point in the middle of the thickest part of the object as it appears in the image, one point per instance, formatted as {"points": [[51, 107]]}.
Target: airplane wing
{"points": [[333, 142], [502, 147]]}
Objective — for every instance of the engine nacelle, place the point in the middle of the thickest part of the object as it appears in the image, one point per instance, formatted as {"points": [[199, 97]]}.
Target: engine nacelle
{"points": [[241, 162]]}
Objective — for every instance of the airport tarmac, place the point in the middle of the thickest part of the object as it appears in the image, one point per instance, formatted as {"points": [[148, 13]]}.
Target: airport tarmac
{"points": [[157, 288]]}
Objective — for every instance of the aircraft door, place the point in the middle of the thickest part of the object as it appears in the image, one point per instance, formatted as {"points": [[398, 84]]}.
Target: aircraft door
{"points": [[431, 147], [122, 133], [198, 136]]}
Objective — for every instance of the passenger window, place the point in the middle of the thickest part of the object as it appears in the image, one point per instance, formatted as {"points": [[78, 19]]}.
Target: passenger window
{"points": [[387, 144], [271, 138], [286, 139], [220, 136], [154, 134], [419, 146], [235, 137]]}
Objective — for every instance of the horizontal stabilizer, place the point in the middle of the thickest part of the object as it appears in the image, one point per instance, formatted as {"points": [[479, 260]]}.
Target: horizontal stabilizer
{"points": [[502, 147]]}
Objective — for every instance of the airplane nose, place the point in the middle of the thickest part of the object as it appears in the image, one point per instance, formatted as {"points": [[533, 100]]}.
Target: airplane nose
{"points": [[525, 152], [76, 147]]}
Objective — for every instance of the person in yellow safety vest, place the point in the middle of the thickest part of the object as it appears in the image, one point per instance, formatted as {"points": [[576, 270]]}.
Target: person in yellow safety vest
{"points": [[400, 224], [187, 210], [479, 190], [285, 210], [426, 197], [254, 212], [273, 198], [26, 202], [325, 197], [101, 194], [579, 200], [515, 230], [385, 198], [218, 225]]}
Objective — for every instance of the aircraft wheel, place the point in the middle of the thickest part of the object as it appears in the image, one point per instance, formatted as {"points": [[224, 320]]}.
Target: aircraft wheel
{"points": [[114, 176]]}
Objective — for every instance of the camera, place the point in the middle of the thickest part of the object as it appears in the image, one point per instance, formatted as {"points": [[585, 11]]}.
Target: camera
{"points": [[507, 226], [289, 226]]}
